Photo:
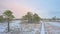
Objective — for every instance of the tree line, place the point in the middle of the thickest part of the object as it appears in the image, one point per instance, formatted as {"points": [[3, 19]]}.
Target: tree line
{"points": [[30, 17]]}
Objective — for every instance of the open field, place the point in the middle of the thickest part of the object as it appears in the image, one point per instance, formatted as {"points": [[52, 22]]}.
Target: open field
{"points": [[17, 28], [30, 28], [52, 29]]}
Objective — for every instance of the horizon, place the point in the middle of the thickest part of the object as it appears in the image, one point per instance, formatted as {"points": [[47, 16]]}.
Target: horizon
{"points": [[44, 8]]}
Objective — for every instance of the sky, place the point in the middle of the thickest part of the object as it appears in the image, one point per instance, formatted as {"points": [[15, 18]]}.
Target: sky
{"points": [[44, 8]]}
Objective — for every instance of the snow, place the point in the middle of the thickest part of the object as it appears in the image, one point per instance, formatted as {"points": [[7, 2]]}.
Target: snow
{"points": [[54, 24], [42, 28], [17, 25], [3, 27]]}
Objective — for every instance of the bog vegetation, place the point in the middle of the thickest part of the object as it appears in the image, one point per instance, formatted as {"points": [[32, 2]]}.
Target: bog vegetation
{"points": [[30, 17]]}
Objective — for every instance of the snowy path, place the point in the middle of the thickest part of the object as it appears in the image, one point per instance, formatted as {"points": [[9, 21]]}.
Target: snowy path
{"points": [[42, 28]]}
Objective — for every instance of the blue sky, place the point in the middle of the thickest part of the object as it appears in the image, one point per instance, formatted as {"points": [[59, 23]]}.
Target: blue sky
{"points": [[44, 8]]}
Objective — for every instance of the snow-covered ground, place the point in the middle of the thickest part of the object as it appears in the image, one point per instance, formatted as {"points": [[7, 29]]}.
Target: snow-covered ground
{"points": [[17, 28], [13, 24], [52, 27], [3, 27], [56, 24]]}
